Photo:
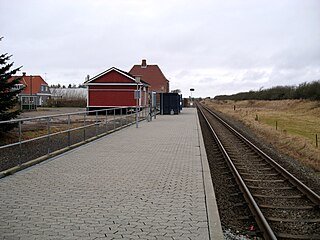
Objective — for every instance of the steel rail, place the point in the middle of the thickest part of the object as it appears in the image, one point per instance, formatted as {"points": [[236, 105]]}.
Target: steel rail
{"points": [[256, 211], [314, 197]]}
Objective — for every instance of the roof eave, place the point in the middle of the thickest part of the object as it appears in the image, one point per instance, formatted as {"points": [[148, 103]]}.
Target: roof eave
{"points": [[109, 70]]}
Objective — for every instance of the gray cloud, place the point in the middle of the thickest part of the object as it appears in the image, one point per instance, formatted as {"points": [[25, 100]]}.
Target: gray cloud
{"points": [[216, 47]]}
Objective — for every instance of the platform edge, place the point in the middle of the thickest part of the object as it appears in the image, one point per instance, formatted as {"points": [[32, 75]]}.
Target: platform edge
{"points": [[215, 229]]}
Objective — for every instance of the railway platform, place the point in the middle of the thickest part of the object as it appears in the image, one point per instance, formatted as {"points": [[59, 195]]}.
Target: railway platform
{"points": [[151, 182]]}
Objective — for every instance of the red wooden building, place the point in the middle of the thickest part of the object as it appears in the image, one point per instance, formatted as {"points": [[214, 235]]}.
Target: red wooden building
{"points": [[115, 88]]}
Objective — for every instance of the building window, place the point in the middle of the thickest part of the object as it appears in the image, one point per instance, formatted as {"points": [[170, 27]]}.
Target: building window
{"points": [[17, 87], [44, 88]]}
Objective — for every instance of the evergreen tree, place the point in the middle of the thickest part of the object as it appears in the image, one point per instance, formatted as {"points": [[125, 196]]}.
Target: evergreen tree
{"points": [[8, 95]]}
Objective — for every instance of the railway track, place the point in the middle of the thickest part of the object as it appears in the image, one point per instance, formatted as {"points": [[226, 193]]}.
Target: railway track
{"points": [[282, 206]]}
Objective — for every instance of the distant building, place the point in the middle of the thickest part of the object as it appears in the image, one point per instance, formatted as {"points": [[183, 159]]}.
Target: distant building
{"points": [[68, 93], [115, 88], [151, 74], [35, 91]]}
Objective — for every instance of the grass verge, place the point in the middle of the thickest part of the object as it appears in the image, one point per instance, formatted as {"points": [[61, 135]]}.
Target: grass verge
{"points": [[290, 126]]}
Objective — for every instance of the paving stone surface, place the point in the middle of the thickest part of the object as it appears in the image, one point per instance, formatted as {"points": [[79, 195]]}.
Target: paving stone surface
{"points": [[143, 183]]}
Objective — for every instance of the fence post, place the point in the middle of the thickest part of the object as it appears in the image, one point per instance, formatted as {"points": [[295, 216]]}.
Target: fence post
{"points": [[20, 145], [316, 140], [48, 130], [69, 138], [121, 117], [114, 119], [150, 114], [106, 121], [84, 126], [276, 125], [126, 116], [96, 123]]}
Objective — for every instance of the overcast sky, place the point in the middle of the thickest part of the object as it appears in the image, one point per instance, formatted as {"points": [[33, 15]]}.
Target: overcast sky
{"points": [[215, 47]]}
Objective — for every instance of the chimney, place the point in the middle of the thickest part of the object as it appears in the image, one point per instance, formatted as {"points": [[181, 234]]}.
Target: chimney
{"points": [[144, 63], [24, 74]]}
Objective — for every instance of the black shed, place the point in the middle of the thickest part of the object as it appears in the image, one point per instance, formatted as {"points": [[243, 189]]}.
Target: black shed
{"points": [[169, 103]]}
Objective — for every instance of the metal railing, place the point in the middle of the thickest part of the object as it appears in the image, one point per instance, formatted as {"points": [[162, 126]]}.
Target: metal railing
{"points": [[44, 135]]}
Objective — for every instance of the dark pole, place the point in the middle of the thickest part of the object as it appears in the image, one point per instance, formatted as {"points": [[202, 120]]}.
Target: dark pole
{"points": [[31, 98]]}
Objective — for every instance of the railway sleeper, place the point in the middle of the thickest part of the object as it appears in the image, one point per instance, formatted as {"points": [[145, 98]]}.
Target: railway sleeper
{"points": [[229, 178], [216, 153], [265, 180], [283, 201], [221, 162], [260, 178], [292, 236], [222, 169], [296, 229], [264, 184], [221, 166], [274, 192], [271, 188], [232, 186], [243, 204], [250, 159], [260, 169], [273, 219], [307, 207], [245, 217], [278, 196], [256, 165], [245, 164], [261, 174], [236, 194]]}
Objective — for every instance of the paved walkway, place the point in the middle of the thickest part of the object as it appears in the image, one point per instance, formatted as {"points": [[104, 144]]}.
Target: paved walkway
{"points": [[145, 183]]}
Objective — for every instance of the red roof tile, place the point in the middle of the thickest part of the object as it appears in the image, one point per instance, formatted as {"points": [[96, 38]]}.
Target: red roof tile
{"points": [[32, 83], [100, 77], [153, 75]]}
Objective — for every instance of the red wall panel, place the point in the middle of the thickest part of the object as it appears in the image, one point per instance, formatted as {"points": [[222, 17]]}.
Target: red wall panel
{"points": [[111, 98], [116, 87]]}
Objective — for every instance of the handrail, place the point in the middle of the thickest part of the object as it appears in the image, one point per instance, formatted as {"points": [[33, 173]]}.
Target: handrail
{"points": [[62, 114], [104, 121]]}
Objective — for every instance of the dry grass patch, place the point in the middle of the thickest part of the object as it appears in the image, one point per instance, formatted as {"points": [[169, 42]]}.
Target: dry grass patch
{"points": [[289, 125]]}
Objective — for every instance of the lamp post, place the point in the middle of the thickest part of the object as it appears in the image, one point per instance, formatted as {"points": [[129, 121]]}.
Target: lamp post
{"points": [[191, 90], [31, 97]]}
